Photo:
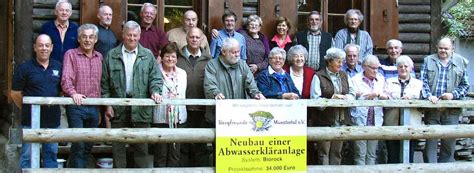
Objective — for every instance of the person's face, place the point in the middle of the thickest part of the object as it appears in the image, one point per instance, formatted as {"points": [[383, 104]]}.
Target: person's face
{"points": [[370, 70], [229, 23], [130, 38], [282, 28], [314, 22], [87, 40], [194, 39], [169, 60], [148, 15], [352, 56], [298, 60], [335, 65], [63, 12], [353, 21], [232, 56], [394, 51], [190, 21], [277, 62], [253, 27], [43, 47], [404, 71], [105, 17], [445, 49]]}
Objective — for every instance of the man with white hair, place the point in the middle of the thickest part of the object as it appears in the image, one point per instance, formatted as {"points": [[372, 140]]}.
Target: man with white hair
{"points": [[388, 66], [151, 36], [444, 77], [63, 33], [178, 35], [106, 39]]}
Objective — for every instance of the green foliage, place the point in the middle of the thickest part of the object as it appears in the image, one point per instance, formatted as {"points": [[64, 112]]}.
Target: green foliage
{"points": [[457, 18]]}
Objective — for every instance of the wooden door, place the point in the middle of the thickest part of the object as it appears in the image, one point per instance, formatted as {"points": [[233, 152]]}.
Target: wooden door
{"points": [[90, 8], [270, 10], [383, 22], [216, 10]]}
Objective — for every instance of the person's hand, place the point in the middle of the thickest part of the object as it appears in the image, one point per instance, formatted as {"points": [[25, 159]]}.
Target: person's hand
{"points": [[260, 96], [372, 95], [433, 99], [219, 96], [157, 97], [214, 33], [253, 68], [447, 96], [289, 96], [77, 98], [109, 112], [339, 96]]}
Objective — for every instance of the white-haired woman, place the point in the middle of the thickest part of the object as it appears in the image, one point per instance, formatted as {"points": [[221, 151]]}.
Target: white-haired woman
{"points": [[331, 83], [403, 87]]}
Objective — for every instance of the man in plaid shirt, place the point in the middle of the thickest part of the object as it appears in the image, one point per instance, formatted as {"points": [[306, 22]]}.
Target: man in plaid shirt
{"points": [[444, 77]]}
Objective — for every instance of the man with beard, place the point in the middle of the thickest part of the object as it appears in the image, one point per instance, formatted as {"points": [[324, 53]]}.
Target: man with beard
{"points": [[178, 35], [151, 36], [106, 39], [444, 77], [352, 34], [315, 41], [229, 19]]}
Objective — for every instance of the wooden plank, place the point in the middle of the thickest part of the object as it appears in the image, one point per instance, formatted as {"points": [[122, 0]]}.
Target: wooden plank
{"points": [[416, 48], [218, 7], [415, 27], [435, 24], [48, 14], [383, 22], [415, 37], [413, 2], [89, 11], [415, 18], [190, 135], [23, 42], [119, 17], [419, 9], [10, 48], [458, 167]]}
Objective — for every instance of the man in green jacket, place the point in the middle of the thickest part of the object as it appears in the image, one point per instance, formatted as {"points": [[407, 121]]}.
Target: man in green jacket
{"points": [[131, 71]]}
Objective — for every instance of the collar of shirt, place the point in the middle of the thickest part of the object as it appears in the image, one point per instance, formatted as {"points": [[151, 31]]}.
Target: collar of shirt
{"points": [[61, 26], [314, 34], [81, 52], [36, 63], [277, 40], [186, 53], [271, 71], [404, 82], [369, 81], [152, 28], [450, 62], [134, 51], [229, 34], [227, 66], [330, 73]]}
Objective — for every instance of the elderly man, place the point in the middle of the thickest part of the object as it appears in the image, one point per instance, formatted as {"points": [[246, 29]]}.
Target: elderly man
{"points": [[106, 39], [229, 31], [353, 34], [351, 66], [227, 77], [317, 42], [388, 66], [130, 71], [63, 33], [331, 83], [178, 35], [82, 70], [369, 85], [193, 60], [444, 77], [151, 36], [41, 77]]}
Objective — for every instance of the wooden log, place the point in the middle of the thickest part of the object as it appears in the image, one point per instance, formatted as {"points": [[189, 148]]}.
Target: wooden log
{"points": [[405, 9], [414, 2], [458, 167], [414, 27], [48, 14], [204, 102], [415, 18], [186, 135], [415, 37], [416, 48]]}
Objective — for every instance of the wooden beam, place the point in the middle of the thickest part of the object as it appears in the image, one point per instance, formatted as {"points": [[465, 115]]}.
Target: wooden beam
{"points": [[204, 102], [435, 24], [187, 135], [458, 167]]}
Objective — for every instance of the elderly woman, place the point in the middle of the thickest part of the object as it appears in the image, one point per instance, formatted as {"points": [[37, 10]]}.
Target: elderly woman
{"points": [[282, 39], [171, 116], [402, 87], [257, 44], [301, 74], [331, 83], [369, 85], [274, 82], [353, 34]]}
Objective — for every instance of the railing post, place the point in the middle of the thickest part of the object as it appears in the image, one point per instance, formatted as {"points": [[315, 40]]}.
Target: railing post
{"points": [[405, 144], [35, 147]]}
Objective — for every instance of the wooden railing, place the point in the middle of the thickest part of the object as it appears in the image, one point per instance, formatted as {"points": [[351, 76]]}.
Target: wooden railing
{"points": [[152, 135]]}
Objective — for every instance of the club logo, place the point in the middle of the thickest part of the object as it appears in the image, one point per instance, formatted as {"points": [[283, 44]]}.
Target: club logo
{"points": [[261, 120]]}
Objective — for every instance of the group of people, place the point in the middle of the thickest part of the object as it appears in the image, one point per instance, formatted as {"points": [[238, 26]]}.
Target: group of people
{"points": [[88, 62]]}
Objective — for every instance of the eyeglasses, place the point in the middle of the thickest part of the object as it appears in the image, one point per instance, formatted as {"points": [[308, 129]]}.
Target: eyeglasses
{"points": [[373, 68]]}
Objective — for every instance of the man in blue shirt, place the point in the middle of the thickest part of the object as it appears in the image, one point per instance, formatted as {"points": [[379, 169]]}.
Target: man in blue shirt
{"points": [[39, 76], [62, 32], [351, 66], [229, 18]]}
